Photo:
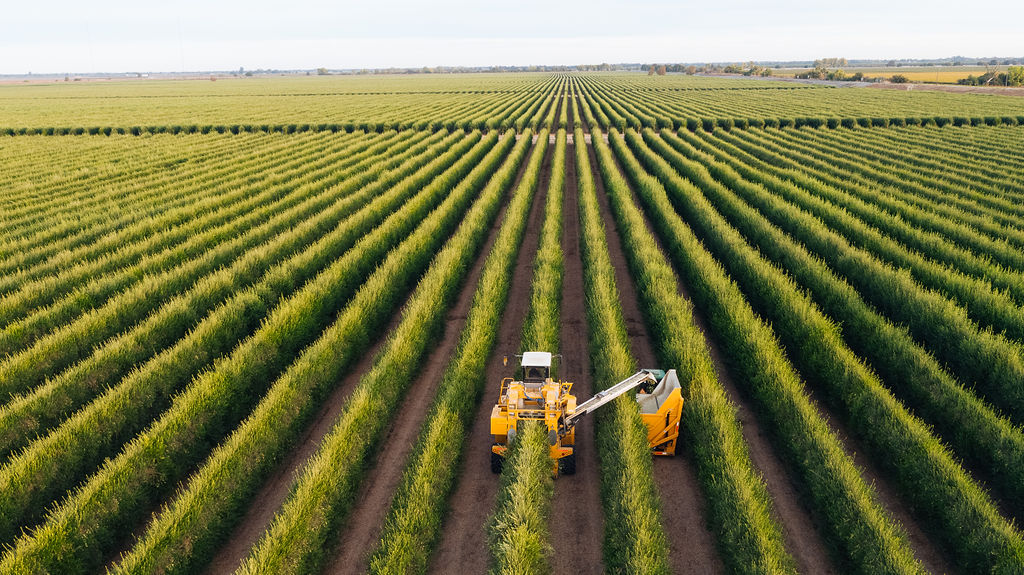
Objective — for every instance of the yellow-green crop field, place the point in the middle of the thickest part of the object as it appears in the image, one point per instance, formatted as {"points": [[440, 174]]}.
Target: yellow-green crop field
{"points": [[257, 325], [924, 74]]}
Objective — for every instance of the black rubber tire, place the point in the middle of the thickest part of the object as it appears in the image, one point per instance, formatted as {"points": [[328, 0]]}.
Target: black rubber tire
{"points": [[497, 462], [567, 465]]}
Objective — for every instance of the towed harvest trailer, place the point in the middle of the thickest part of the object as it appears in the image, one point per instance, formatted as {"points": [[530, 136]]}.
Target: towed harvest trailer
{"points": [[537, 397]]}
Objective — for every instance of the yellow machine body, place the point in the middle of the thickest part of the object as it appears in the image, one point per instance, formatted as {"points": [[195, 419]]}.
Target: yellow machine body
{"points": [[662, 424], [540, 398], [548, 402]]}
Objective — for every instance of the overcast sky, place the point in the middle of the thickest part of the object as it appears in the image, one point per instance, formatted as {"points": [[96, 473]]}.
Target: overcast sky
{"points": [[46, 36]]}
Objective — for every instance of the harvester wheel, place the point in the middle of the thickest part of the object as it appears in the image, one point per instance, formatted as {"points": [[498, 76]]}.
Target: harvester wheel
{"points": [[496, 462], [567, 465]]}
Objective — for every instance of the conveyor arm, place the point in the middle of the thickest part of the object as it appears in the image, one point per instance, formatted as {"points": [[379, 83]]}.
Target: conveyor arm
{"points": [[603, 397]]}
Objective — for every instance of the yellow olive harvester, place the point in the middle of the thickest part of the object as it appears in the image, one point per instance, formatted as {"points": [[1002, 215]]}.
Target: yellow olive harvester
{"points": [[538, 397]]}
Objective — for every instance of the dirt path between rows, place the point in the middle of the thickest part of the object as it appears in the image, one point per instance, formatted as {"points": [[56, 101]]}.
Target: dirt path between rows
{"points": [[684, 512], [361, 533], [577, 518], [803, 539], [272, 495], [927, 552], [463, 542]]}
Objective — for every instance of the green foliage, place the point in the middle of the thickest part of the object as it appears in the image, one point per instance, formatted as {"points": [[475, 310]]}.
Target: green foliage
{"points": [[740, 508], [541, 329], [634, 539], [956, 508], [50, 339], [225, 393], [46, 404], [519, 534], [186, 270], [296, 540], [411, 528], [859, 530], [1015, 76], [519, 537]]}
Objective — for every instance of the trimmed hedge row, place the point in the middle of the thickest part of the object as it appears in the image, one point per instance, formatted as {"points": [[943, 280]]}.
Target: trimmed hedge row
{"points": [[947, 221], [740, 508], [78, 228], [87, 281], [953, 506], [411, 528], [986, 304], [187, 534], [520, 115], [48, 405], [862, 535], [519, 536], [993, 362], [934, 191], [50, 338], [634, 540], [80, 531]]}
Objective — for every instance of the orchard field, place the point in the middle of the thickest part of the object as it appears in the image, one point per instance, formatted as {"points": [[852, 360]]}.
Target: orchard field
{"points": [[257, 325]]}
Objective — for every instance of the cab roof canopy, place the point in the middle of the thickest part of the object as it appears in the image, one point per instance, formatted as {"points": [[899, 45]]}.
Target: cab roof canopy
{"points": [[536, 359]]}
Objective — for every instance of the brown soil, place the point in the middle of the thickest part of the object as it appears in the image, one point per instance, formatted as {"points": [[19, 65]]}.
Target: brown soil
{"points": [[577, 518], [926, 551], [463, 542], [361, 533], [274, 492], [802, 539], [684, 513], [272, 495]]}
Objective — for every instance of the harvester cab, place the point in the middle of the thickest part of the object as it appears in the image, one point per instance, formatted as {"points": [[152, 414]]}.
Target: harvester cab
{"points": [[538, 397]]}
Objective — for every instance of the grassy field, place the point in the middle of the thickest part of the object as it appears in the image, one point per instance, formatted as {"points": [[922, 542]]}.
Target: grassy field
{"points": [[257, 325], [923, 74]]}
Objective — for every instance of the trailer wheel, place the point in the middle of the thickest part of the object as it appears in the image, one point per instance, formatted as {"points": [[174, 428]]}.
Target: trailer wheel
{"points": [[496, 462], [567, 465]]}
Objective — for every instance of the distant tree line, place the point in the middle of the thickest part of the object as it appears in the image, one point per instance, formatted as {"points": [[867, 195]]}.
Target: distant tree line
{"points": [[839, 62], [1013, 76], [831, 63], [831, 69], [838, 75], [662, 69], [747, 69], [603, 67]]}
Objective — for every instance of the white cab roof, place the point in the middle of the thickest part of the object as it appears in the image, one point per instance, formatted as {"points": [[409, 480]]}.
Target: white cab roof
{"points": [[536, 359]]}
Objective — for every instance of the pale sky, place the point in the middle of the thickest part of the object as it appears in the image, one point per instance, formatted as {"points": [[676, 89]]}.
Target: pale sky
{"points": [[47, 36]]}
